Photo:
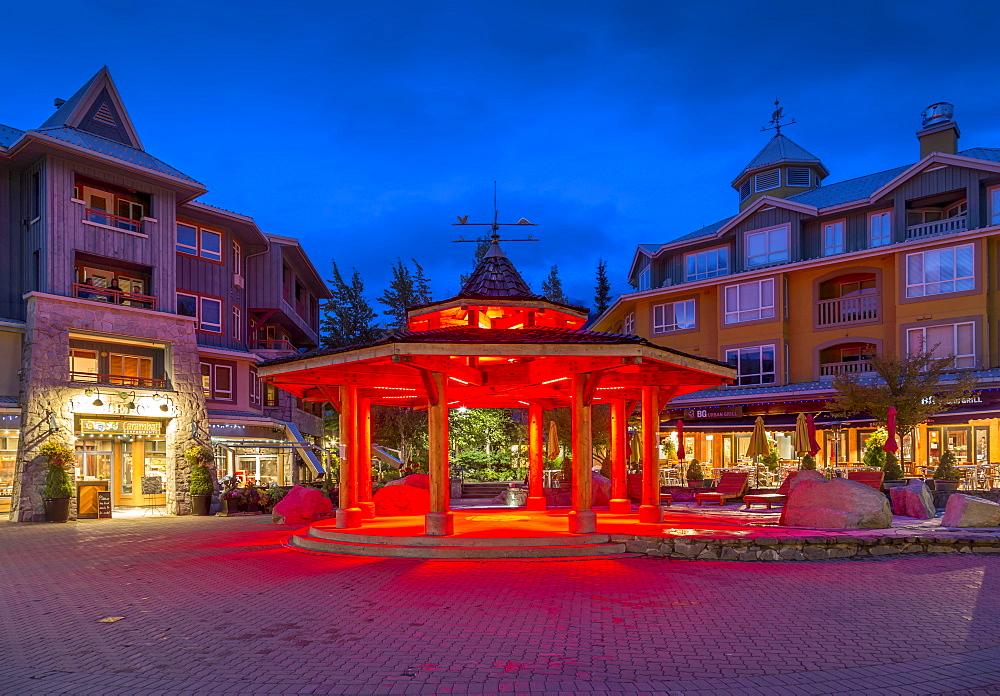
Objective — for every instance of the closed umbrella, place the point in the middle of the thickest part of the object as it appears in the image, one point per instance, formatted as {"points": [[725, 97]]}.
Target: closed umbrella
{"points": [[552, 448], [890, 440], [801, 435], [758, 447], [813, 445], [634, 449], [681, 454]]}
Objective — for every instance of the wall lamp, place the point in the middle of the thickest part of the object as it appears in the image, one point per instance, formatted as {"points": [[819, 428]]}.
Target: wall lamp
{"points": [[128, 398], [90, 392], [165, 406]]}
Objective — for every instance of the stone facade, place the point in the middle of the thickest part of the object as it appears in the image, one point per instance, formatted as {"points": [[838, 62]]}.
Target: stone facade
{"points": [[46, 393]]}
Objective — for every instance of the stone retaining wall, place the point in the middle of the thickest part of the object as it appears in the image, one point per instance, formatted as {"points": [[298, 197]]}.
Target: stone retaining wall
{"points": [[811, 548]]}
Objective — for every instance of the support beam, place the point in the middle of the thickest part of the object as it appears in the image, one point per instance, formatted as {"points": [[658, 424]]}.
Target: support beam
{"points": [[582, 519], [439, 521], [364, 457], [536, 459], [348, 513], [650, 511], [620, 503], [332, 396]]}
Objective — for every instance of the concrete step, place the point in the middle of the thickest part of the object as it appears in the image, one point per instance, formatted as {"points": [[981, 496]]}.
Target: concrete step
{"points": [[483, 490], [331, 534], [581, 551]]}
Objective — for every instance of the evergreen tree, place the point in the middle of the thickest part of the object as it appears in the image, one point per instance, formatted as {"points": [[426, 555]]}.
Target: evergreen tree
{"points": [[421, 285], [602, 291], [406, 289], [552, 286], [348, 319], [482, 246]]}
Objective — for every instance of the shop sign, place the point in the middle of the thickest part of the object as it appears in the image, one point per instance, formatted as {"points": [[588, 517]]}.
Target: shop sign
{"points": [[974, 398], [712, 412], [120, 427]]}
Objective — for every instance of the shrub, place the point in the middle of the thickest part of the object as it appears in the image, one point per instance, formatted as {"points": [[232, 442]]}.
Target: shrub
{"points": [[198, 454], [946, 470], [694, 471], [874, 456], [201, 481], [58, 453], [57, 483], [808, 463], [771, 459], [669, 448], [893, 471]]}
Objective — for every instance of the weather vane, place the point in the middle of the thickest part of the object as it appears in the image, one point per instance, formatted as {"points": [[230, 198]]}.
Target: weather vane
{"points": [[775, 123], [495, 226]]}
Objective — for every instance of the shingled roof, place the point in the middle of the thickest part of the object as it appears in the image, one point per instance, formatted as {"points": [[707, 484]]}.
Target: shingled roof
{"points": [[495, 276], [781, 149]]}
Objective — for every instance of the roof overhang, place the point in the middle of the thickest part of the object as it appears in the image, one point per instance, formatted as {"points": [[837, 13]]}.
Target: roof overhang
{"points": [[246, 227]]}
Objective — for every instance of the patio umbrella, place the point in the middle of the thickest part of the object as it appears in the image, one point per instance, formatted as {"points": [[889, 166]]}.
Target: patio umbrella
{"points": [[813, 445], [758, 447], [801, 435], [552, 448], [890, 440], [634, 447], [681, 454]]}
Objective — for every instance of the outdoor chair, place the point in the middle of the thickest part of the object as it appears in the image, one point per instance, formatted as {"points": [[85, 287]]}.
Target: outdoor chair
{"points": [[731, 486], [770, 499], [869, 478]]}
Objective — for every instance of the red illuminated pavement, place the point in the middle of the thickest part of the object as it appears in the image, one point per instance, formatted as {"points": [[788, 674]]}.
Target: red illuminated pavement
{"points": [[220, 606]]}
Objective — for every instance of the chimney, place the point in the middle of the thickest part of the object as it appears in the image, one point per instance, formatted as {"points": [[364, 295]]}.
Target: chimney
{"points": [[940, 132]]}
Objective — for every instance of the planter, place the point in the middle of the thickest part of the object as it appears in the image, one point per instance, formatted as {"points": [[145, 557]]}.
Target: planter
{"points": [[949, 486], [201, 505], [697, 483], [229, 507], [57, 509], [250, 507]]}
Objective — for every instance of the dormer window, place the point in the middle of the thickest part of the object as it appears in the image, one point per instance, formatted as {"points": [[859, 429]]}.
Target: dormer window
{"points": [[645, 275], [765, 181], [798, 176]]}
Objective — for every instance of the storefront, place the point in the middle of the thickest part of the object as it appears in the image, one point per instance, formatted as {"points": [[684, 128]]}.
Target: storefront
{"points": [[9, 434], [263, 450]]}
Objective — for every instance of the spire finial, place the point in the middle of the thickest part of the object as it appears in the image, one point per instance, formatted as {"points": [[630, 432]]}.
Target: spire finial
{"points": [[775, 123]]}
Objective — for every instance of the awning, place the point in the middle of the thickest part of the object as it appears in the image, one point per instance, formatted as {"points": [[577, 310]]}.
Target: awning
{"points": [[776, 421], [305, 449]]}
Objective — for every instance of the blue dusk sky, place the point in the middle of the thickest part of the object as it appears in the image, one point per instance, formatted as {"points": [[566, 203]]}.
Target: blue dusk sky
{"points": [[365, 128]]}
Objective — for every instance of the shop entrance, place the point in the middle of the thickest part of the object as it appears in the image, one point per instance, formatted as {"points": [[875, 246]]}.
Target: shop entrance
{"points": [[262, 468]]}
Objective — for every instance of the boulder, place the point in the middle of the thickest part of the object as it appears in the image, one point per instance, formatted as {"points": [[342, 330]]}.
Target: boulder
{"points": [[415, 480], [301, 505], [559, 497], [797, 477], [913, 500], [512, 497], [836, 504], [969, 511], [395, 501]]}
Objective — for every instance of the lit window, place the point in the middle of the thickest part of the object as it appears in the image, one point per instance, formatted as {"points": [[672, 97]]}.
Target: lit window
{"points": [[673, 316], [880, 229], [206, 379], [956, 340], [754, 365], [940, 271], [750, 301], [764, 181], [833, 238], [706, 264], [217, 381], [767, 246], [83, 365]]}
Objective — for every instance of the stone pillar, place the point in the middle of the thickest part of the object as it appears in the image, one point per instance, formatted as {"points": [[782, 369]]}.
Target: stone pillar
{"points": [[536, 459], [348, 512], [364, 456], [620, 503], [439, 521], [582, 519], [650, 510]]}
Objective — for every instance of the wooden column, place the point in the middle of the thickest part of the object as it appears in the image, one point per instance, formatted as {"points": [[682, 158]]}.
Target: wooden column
{"points": [[348, 512], [364, 457], [439, 521], [620, 503], [650, 510], [536, 459], [582, 519]]}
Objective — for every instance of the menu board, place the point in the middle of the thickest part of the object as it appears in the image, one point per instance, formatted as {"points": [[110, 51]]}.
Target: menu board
{"points": [[152, 485], [103, 505]]}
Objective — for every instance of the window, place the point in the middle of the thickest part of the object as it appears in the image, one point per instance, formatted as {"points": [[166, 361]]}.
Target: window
{"points": [[83, 365], [133, 369], [940, 271], [237, 259], [798, 176], [995, 206], [644, 278], [199, 241], [237, 323], [187, 305], [111, 206], [217, 381], [754, 365], [767, 180], [880, 228], [767, 246], [673, 316], [706, 264], [270, 395], [628, 325], [750, 301], [833, 238], [944, 340], [256, 388], [746, 189], [207, 310]]}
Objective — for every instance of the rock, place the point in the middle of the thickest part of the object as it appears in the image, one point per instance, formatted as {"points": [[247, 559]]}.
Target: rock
{"points": [[512, 497], [913, 500], [601, 488], [301, 505], [558, 497], [797, 477], [836, 504], [600, 492], [415, 480], [968, 511], [395, 501]]}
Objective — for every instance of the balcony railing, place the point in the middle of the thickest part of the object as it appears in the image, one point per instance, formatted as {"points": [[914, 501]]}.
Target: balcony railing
{"points": [[103, 217], [847, 310], [118, 380], [853, 367], [272, 345], [929, 229], [128, 299]]}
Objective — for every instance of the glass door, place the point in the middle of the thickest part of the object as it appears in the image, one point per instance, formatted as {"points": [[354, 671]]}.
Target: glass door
{"points": [[93, 461], [957, 440]]}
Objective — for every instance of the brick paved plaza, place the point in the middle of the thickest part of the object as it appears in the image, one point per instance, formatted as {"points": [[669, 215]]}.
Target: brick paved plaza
{"points": [[222, 606]]}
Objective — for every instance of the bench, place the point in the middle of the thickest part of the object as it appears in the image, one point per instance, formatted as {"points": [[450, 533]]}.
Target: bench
{"points": [[770, 499], [869, 478], [731, 485]]}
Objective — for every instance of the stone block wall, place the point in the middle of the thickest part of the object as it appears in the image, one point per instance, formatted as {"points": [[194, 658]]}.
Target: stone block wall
{"points": [[45, 389]]}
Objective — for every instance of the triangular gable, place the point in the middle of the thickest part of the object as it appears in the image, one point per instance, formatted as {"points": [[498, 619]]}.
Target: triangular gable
{"points": [[97, 108], [640, 253], [933, 159]]}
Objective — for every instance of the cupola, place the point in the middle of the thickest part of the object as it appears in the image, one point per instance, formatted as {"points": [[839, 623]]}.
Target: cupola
{"points": [[781, 169]]}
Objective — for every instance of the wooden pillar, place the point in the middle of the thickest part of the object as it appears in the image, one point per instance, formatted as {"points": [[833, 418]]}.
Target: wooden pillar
{"points": [[536, 459], [439, 521], [620, 503], [582, 519], [650, 510], [348, 512], [364, 457]]}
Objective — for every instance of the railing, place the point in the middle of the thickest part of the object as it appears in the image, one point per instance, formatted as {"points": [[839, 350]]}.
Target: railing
{"points": [[281, 344], [847, 310], [853, 367], [928, 229], [128, 299], [103, 217], [118, 380]]}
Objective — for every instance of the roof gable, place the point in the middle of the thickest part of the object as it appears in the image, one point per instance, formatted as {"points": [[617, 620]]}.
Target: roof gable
{"points": [[97, 108]]}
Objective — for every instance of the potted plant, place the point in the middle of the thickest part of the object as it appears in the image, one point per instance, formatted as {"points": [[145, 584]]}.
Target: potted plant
{"points": [[231, 494], [271, 497], [946, 476], [58, 486], [808, 463], [894, 476], [251, 497], [201, 490], [695, 475], [669, 449]]}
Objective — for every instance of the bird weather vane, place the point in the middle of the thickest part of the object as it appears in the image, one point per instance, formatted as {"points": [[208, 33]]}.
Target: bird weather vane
{"points": [[494, 226], [775, 123]]}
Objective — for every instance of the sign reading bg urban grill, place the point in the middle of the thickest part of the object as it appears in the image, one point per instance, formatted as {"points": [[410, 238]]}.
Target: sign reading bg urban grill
{"points": [[712, 412], [120, 427]]}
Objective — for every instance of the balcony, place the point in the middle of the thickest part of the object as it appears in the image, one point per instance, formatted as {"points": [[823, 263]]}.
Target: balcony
{"points": [[930, 229], [851, 367], [118, 380], [93, 293], [103, 217], [848, 310], [273, 348]]}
